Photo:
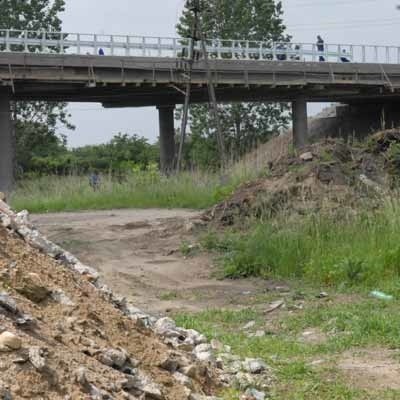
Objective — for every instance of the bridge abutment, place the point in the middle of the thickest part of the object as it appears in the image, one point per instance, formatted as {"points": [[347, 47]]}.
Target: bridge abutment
{"points": [[7, 147], [167, 137], [300, 122]]}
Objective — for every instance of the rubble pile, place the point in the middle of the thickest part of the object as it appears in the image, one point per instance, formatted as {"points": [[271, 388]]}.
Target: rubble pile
{"points": [[65, 335], [326, 176]]}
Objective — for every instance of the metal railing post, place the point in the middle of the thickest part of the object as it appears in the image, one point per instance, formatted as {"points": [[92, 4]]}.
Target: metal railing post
{"points": [[364, 55], [26, 42], [95, 47], [143, 46], [128, 46], [7, 40], [61, 43], [159, 47], [112, 44], [78, 43]]}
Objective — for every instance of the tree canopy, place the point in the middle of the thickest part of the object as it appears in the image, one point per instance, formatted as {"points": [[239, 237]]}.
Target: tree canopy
{"points": [[36, 123], [243, 124]]}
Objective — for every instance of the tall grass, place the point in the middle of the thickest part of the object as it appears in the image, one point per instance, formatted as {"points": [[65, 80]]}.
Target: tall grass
{"points": [[354, 249], [196, 190]]}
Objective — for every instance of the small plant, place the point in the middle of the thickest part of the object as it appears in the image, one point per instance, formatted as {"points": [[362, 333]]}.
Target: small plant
{"points": [[187, 249]]}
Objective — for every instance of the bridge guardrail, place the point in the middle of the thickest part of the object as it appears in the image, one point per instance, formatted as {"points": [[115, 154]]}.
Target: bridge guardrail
{"points": [[141, 46]]}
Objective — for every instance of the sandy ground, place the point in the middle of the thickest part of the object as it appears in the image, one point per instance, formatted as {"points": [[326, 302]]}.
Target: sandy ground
{"points": [[138, 254]]}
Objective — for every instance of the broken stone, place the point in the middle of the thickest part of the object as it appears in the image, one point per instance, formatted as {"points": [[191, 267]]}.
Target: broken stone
{"points": [[25, 320], [60, 297], [307, 156], [253, 394], [275, 305], [254, 366], [165, 327], [114, 358], [9, 342], [146, 386], [257, 334], [249, 325], [32, 288], [8, 303], [36, 357], [217, 345], [183, 380]]}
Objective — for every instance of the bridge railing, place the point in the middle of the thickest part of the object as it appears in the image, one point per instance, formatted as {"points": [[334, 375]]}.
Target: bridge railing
{"points": [[141, 46]]}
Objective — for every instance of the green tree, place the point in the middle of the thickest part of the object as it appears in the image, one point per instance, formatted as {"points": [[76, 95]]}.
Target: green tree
{"points": [[244, 124], [36, 123]]}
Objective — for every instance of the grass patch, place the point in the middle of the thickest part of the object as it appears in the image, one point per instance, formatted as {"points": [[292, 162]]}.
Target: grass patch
{"points": [[146, 189], [358, 250], [349, 323]]}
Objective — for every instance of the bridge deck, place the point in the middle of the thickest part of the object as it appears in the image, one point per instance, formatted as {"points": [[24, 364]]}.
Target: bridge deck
{"points": [[145, 81]]}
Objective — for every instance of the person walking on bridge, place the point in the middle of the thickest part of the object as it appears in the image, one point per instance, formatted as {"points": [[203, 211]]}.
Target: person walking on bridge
{"points": [[321, 48]]}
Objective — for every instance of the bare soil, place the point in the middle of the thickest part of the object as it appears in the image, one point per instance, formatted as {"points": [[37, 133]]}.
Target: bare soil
{"points": [[372, 369], [138, 253]]}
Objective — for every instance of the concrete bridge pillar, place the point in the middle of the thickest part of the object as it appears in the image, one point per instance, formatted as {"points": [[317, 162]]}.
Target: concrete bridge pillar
{"points": [[300, 122], [6, 145], [167, 138]]}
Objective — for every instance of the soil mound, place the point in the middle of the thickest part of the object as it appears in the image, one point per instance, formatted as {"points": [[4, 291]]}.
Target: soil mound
{"points": [[329, 175], [65, 335]]}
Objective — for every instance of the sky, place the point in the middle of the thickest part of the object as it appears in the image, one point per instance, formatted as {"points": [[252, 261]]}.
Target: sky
{"points": [[337, 21]]}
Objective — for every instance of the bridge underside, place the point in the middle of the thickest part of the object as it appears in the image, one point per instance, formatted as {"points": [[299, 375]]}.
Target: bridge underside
{"points": [[144, 81]]}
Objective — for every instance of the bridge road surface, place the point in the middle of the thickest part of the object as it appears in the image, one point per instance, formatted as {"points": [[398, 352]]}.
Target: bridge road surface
{"points": [[143, 80]]}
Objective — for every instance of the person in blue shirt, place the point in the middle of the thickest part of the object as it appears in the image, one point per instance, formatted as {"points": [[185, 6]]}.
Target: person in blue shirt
{"points": [[344, 58], [101, 52], [320, 47]]}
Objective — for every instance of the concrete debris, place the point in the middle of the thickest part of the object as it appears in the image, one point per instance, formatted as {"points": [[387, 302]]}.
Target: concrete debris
{"points": [[254, 366], [37, 359], [96, 332], [253, 394], [60, 297], [8, 304], [249, 325], [9, 342], [275, 305], [307, 156], [31, 287], [115, 358]]}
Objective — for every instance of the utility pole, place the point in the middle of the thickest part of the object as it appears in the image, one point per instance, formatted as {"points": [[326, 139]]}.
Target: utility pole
{"points": [[197, 35], [194, 7]]}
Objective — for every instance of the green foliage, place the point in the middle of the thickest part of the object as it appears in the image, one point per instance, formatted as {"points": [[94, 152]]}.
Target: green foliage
{"points": [[140, 189], [36, 122], [359, 250], [246, 124], [122, 156]]}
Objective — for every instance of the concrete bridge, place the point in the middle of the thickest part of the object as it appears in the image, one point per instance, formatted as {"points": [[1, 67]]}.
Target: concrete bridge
{"points": [[142, 71]]}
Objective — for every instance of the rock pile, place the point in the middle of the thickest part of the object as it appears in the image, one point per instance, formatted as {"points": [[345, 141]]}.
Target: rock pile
{"points": [[65, 335]]}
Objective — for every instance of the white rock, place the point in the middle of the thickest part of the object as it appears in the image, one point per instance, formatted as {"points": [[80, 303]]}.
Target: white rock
{"points": [[307, 156], [249, 325], [115, 358], [183, 380], [253, 394], [9, 342], [36, 358], [254, 366], [60, 297], [165, 327]]}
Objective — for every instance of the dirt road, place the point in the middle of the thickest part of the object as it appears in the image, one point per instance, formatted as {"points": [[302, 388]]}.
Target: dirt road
{"points": [[138, 253]]}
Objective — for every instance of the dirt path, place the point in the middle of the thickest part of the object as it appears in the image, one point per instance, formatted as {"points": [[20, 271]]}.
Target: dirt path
{"points": [[138, 254]]}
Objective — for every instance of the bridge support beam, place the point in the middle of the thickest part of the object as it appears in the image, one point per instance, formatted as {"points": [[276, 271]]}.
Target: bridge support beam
{"points": [[167, 138], [300, 122], [7, 147]]}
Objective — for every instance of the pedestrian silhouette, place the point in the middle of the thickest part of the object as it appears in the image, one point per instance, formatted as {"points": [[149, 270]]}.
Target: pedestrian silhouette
{"points": [[320, 47]]}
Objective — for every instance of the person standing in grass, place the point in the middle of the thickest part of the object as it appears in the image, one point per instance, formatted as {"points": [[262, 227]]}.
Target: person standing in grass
{"points": [[94, 181]]}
